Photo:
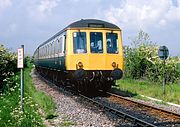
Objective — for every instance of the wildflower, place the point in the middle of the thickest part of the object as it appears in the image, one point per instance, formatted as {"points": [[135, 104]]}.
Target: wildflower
{"points": [[11, 89], [4, 80], [21, 112]]}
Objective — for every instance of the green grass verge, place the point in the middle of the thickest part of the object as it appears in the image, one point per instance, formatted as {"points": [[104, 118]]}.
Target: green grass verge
{"points": [[10, 112], [44, 101], [137, 87]]}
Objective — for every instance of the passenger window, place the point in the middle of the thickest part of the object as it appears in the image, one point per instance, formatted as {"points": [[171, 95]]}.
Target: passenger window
{"points": [[96, 42], [46, 50], [79, 42], [60, 45], [52, 52], [54, 45], [51, 49], [112, 43], [49, 46]]}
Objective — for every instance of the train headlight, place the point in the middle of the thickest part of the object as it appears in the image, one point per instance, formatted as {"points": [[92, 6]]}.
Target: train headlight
{"points": [[80, 65], [114, 65]]}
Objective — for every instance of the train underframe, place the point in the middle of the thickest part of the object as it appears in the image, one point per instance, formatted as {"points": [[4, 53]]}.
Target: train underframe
{"points": [[82, 80]]}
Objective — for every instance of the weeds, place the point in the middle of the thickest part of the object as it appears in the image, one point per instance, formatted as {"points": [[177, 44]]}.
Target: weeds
{"points": [[11, 114]]}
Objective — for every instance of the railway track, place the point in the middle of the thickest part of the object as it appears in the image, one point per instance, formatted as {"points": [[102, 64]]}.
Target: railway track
{"points": [[160, 117], [136, 121], [163, 111]]}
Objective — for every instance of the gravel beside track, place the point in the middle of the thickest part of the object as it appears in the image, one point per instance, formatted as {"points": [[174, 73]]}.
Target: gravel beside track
{"points": [[73, 110]]}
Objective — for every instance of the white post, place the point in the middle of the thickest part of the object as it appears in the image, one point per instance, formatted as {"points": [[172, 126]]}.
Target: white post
{"points": [[21, 66]]}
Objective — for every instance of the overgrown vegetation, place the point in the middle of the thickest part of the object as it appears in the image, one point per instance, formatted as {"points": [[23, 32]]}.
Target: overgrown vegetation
{"points": [[10, 112], [142, 61], [7, 68], [144, 71]]}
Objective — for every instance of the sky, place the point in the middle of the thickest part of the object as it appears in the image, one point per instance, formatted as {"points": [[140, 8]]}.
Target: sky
{"points": [[31, 22]]}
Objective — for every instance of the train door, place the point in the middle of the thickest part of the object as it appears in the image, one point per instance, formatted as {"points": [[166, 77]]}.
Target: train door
{"points": [[56, 54], [61, 54], [63, 50]]}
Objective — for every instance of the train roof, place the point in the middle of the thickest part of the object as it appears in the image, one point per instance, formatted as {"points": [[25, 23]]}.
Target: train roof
{"points": [[92, 23], [85, 23]]}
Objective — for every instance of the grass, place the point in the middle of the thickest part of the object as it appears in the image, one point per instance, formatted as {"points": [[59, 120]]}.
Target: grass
{"points": [[10, 112], [66, 123], [137, 87], [44, 101]]}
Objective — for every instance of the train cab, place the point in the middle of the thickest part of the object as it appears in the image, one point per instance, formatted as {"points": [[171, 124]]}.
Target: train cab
{"points": [[94, 45]]}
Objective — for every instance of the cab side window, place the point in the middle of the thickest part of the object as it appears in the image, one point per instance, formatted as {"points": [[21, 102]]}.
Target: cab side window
{"points": [[79, 42], [96, 42]]}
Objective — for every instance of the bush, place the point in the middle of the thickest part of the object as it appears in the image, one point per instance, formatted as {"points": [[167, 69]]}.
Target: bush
{"points": [[27, 61], [7, 65], [142, 61]]}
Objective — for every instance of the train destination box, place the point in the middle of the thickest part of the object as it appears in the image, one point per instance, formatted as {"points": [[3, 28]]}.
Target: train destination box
{"points": [[163, 52], [20, 62]]}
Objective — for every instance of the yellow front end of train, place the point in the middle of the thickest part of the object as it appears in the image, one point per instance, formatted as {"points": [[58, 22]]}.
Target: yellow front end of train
{"points": [[90, 49]]}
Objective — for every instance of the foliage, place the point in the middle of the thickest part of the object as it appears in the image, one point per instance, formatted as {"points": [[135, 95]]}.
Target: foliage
{"points": [[7, 67], [10, 112], [27, 60], [142, 61]]}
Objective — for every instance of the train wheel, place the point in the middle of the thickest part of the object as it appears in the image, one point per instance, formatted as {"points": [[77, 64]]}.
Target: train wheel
{"points": [[107, 86], [79, 86], [86, 86], [82, 86]]}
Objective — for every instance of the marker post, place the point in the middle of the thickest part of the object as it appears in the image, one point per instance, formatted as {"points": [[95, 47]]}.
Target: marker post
{"points": [[20, 65]]}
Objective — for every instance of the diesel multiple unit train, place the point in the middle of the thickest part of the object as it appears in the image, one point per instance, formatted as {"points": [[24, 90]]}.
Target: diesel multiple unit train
{"points": [[87, 54]]}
